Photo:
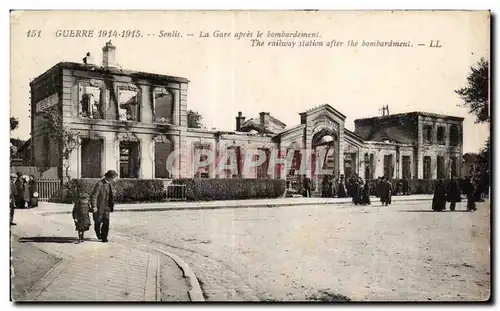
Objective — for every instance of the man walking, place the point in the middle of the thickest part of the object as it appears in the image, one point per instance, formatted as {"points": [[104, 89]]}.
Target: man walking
{"points": [[103, 204]]}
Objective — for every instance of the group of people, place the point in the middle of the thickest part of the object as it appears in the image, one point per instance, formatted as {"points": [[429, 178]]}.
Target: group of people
{"points": [[355, 188], [451, 192], [23, 193], [100, 203]]}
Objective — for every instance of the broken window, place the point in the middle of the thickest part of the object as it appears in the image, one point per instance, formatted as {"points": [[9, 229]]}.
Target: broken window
{"points": [[440, 167], [388, 166], [163, 106], [295, 165], [91, 158], [454, 135], [128, 105], [262, 169], [129, 160], [90, 102], [406, 167], [201, 150], [233, 151], [440, 135], [427, 132], [427, 167], [162, 151]]}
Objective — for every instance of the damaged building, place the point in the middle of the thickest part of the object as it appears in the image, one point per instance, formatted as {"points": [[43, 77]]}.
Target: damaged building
{"points": [[131, 121]]}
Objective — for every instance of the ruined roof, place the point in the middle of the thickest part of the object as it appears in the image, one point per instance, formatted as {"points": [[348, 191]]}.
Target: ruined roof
{"points": [[409, 114], [327, 106], [111, 70], [351, 133]]}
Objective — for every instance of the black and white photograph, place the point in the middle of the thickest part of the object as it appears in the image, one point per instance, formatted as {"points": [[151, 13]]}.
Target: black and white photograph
{"points": [[250, 156]]}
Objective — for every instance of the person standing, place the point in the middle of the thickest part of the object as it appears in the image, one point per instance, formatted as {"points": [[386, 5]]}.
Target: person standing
{"points": [[102, 203], [366, 194], [324, 187], [307, 187], [18, 191], [453, 193], [439, 198], [26, 193], [33, 188], [342, 191], [406, 186], [378, 187], [334, 185], [470, 190], [81, 218]]}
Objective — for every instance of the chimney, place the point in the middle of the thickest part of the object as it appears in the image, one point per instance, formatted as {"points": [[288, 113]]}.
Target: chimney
{"points": [[264, 118], [108, 55], [88, 59], [240, 119]]}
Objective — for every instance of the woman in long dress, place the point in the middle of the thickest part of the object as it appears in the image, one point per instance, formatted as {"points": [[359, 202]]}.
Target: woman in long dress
{"points": [[439, 199]]}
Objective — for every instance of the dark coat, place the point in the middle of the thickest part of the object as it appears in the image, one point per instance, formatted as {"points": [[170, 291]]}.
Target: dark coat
{"points": [[26, 192], [453, 191], [81, 214], [406, 186], [18, 188], [366, 194], [342, 191], [386, 192], [439, 198], [101, 198], [471, 197]]}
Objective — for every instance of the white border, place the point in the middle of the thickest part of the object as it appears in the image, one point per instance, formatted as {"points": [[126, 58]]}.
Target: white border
{"points": [[185, 4]]}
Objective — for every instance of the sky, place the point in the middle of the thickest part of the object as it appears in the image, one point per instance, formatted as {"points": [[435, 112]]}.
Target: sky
{"points": [[227, 75]]}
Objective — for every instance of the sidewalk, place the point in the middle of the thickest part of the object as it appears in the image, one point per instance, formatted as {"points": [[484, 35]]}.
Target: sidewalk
{"points": [[93, 271], [48, 208]]}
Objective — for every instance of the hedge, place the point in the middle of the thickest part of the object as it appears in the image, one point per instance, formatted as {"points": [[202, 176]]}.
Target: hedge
{"points": [[232, 188], [125, 190], [154, 190]]}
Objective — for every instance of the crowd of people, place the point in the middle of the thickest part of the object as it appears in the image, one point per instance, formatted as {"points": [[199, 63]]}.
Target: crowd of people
{"points": [[452, 192], [355, 188], [23, 194], [360, 191]]}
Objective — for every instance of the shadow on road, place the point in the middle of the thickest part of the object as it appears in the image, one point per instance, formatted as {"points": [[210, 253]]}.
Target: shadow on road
{"points": [[48, 239]]}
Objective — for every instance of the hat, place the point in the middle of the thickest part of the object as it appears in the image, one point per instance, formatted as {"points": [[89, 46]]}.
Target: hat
{"points": [[13, 176], [83, 195], [111, 174]]}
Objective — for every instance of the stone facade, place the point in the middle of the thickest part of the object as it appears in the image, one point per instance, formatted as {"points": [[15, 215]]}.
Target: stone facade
{"points": [[131, 121]]}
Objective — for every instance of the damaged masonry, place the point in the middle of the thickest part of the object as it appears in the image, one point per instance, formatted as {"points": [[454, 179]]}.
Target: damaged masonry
{"points": [[131, 121]]}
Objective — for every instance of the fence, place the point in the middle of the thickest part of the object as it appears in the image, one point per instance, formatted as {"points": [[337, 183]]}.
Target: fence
{"points": [[48, 188], [176, 192]]}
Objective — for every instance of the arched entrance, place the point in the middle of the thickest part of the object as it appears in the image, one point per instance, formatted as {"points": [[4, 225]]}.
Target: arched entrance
{"points": [[325, 144]]}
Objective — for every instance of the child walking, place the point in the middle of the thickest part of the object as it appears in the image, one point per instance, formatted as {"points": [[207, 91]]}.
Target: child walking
{"points": [[81, 215]]}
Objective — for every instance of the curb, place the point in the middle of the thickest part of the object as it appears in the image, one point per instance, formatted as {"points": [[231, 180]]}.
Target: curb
{"points": [[46, 280], [259, 205], [195, 293]]}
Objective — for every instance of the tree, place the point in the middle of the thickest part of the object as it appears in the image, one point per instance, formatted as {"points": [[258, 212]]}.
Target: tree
{"points": [[56, 130], [475, 95], [14, 123], [194, 119]]}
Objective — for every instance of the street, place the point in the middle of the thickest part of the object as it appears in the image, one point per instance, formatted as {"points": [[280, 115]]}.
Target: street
{"points": [[404, 252]]}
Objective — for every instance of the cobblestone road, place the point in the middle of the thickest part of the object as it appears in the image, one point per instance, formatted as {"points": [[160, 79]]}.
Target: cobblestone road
{"points": [[404, 252]]}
